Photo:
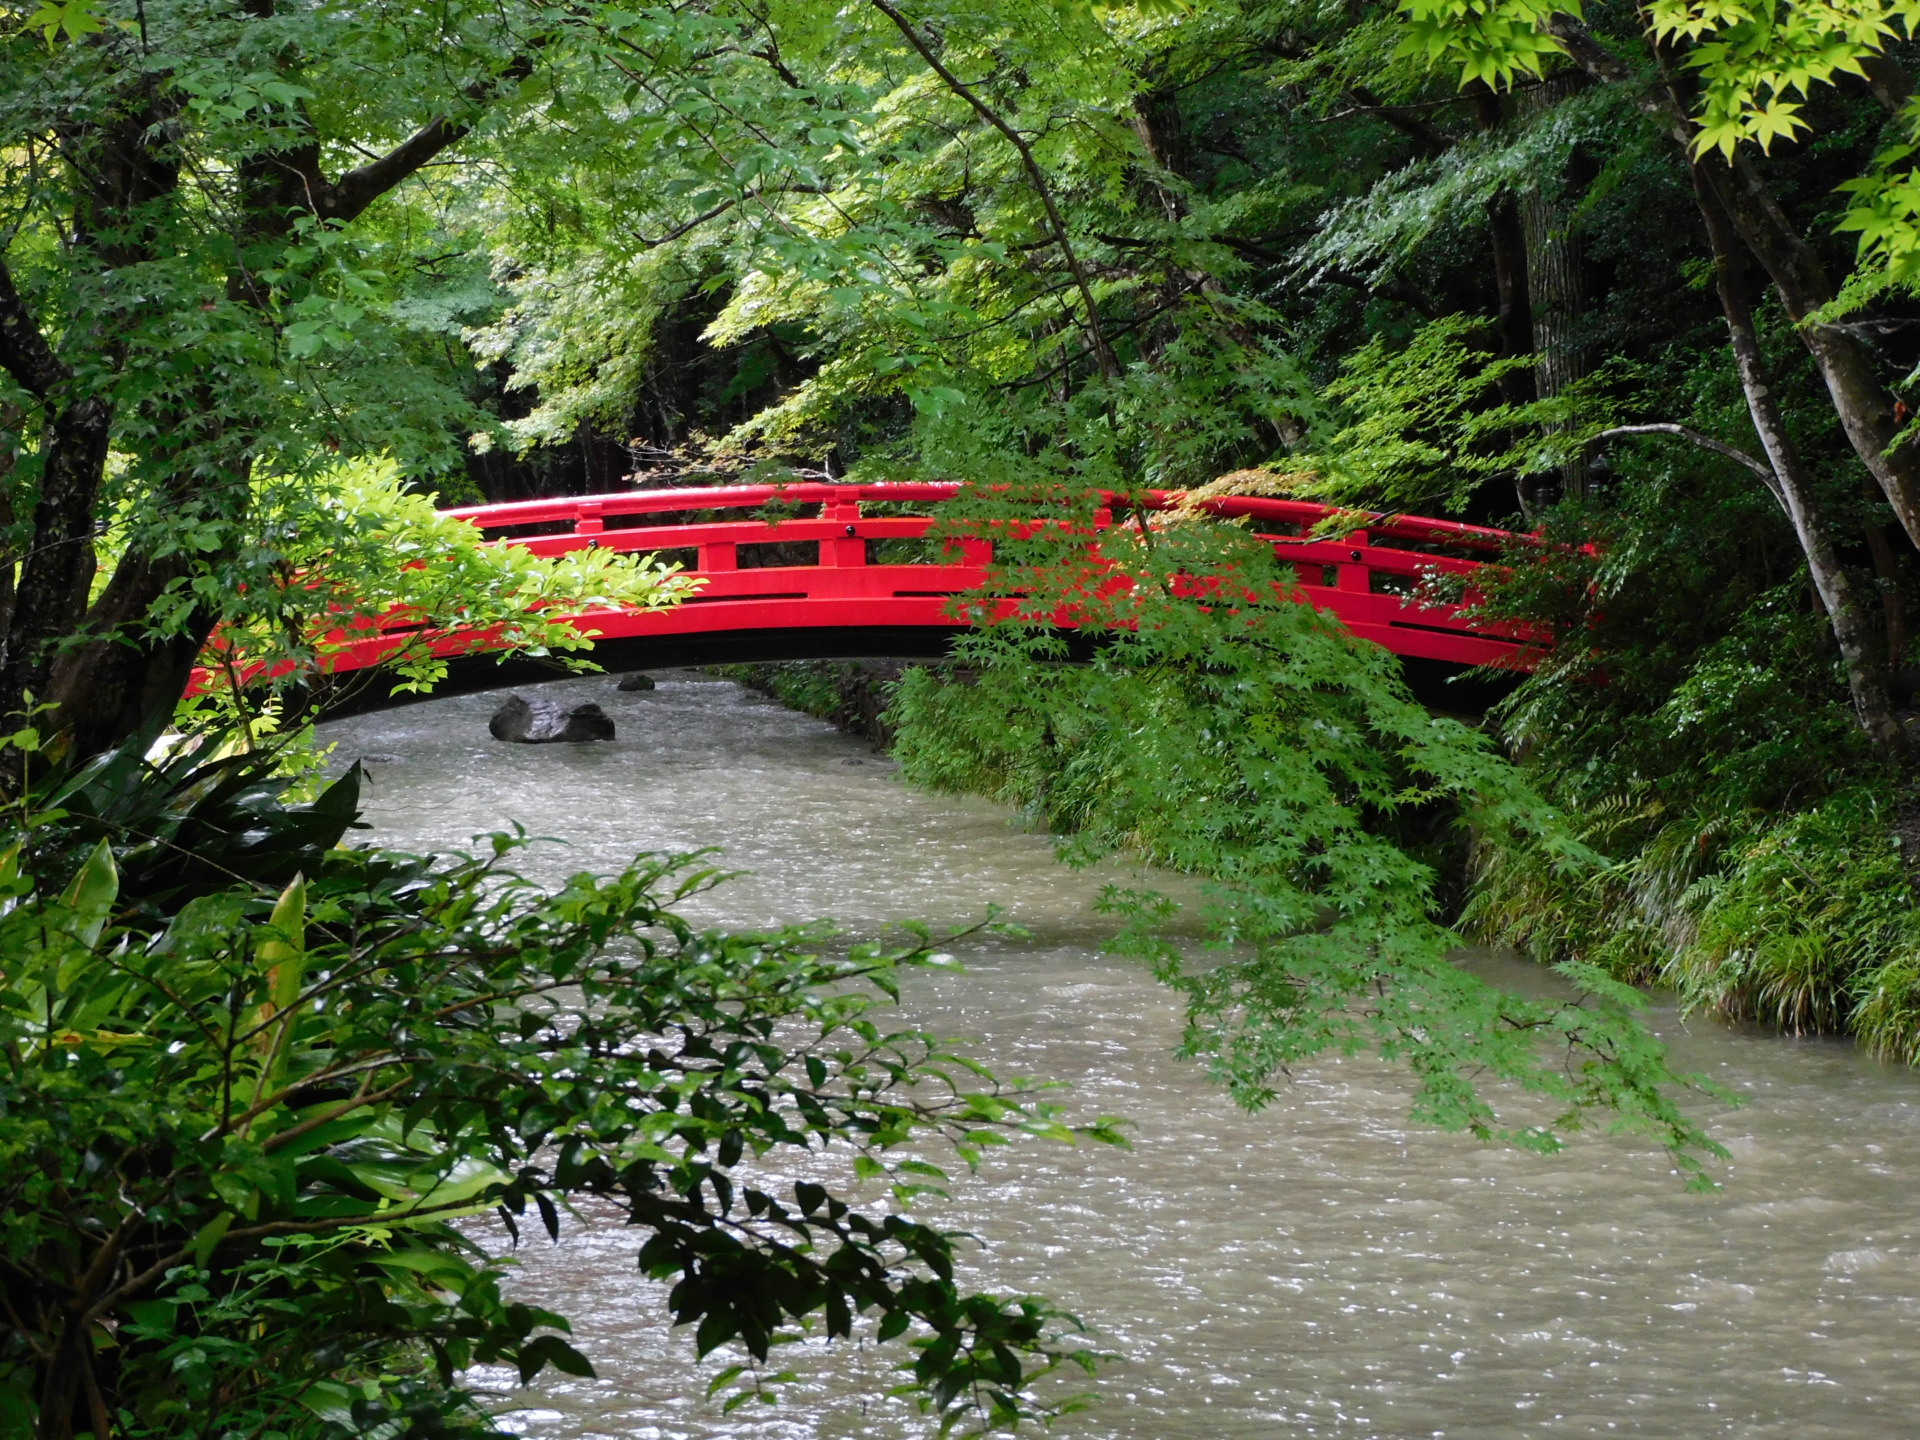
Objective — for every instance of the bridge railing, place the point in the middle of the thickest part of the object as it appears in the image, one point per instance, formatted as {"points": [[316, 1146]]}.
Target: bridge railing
{"points": [[1370, 575], [773, 571]]}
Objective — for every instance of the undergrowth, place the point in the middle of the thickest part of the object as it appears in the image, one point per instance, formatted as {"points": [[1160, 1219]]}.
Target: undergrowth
{"points": [[1700, 738], [1804, 922]]}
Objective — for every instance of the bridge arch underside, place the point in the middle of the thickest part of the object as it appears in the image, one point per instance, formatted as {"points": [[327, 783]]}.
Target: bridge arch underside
{"points": [[1439, 684]]}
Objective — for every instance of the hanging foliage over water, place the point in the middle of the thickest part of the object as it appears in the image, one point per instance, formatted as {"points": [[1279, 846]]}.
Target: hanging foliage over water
{"points": [[258, 1089], [1222, 730]]}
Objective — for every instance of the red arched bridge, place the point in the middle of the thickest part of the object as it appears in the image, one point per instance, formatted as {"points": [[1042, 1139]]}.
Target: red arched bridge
{"points": [[803, 571]]}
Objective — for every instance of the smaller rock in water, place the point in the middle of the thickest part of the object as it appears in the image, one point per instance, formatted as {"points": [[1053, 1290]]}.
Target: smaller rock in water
{"points": [[379, 759], [637, 681], [541, 722]]}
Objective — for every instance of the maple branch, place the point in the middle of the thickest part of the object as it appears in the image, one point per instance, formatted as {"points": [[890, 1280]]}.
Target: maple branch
{"points": [[1102, 352]]}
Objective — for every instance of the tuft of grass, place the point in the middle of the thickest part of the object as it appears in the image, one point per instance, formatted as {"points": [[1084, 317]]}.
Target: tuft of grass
{"points": [[1886, 1016], [1805, 921]]}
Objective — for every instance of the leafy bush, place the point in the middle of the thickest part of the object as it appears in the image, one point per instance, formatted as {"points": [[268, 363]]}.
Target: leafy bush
{"points": [[353, 545], [247, 1103], [1806, 904], [1223, 730]]}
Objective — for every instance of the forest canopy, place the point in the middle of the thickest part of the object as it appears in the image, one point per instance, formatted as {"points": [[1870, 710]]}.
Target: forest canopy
{"points": [[1147, 244]]}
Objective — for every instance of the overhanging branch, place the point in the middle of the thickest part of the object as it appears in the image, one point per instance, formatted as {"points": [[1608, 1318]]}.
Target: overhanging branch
{"points": [[1705, 442]]}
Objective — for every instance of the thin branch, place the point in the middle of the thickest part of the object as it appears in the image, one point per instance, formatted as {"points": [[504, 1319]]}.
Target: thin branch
{"points": [[1428, 137], [134, 1284], [685, 226], [1102, 352], [1390, 290], [282, 1138], [310, 1082], [1705, 442]]}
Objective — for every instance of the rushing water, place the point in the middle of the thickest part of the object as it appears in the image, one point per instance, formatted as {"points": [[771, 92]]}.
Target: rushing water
{"points": [[1320, 1269]]}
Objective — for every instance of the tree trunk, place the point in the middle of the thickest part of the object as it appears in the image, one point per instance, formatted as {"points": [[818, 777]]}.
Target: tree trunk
{"points": [[1865, 665], [1509, 244], [111, 678], [1515, 321], [51, 594], [124, 171], [1156, 120], [123, 684], [1864, 405], [1886, 574], [1556, 288], [12, 420]]}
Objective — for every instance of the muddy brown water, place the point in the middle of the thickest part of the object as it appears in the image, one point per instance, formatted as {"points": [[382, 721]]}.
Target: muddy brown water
{"points": [[1320, 1269]]}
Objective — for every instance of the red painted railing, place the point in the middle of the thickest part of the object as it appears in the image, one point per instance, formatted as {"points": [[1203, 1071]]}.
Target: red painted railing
{"points": [[1366, 577]]}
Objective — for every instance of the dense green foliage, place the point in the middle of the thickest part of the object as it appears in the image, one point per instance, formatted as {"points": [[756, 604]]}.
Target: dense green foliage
{"points": [[253, 1085], [1581, 268], [351, 546], [1756, 849]]}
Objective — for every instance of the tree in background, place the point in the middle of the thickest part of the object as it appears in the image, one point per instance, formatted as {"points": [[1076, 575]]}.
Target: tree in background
{"points": [[214, 276]]}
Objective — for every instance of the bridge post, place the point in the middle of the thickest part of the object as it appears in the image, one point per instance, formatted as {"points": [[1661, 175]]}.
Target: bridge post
{"points": [[586, 518], [1355, 574], [846, 549]]}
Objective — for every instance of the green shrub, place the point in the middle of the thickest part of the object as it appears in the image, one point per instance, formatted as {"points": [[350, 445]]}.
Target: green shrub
{"points": [[1806, 922], [248, 1090]]}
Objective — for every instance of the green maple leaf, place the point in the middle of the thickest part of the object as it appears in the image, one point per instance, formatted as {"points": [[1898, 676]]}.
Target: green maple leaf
{"points": [[73, 18]]}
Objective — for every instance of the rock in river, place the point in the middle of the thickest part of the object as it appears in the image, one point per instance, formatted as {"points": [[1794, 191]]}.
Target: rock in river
{"points": [[639, 680], [541, 722]]}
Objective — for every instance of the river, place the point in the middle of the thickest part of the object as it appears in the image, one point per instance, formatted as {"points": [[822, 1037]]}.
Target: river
{"points": [[1319, 1269]]}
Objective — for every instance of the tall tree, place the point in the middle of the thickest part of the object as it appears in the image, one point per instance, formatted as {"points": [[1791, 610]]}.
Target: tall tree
{"points": [[192, 268]]}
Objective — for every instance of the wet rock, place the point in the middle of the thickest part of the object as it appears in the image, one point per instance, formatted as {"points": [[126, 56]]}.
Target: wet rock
{"points": [[636, 681], [541, 722]]}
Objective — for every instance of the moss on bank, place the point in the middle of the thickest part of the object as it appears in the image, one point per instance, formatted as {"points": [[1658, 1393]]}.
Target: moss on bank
{"points": [[852, 694]]}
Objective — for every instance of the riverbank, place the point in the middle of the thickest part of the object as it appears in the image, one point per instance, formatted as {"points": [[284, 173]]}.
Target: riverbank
{"points": [[851, 695]]}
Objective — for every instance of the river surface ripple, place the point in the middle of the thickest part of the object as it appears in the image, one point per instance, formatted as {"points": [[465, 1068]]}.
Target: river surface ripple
{"points": [[1320, 1269]]}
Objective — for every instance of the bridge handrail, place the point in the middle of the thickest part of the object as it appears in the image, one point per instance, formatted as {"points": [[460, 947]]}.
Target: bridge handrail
{"points": [[588, 513], [574, 508], [1355, 570]]}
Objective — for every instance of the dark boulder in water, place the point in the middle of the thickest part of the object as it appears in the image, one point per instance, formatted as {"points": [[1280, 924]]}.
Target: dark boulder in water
{"points": [[637, 681], [541, 722]]}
